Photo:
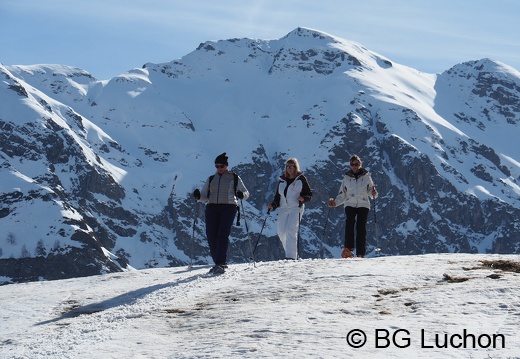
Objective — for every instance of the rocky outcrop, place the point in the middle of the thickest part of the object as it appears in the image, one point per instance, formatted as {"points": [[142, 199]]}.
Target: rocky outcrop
{"points": [[97, 176]]}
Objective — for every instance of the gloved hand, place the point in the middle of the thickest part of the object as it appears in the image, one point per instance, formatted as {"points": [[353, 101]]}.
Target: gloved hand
{"points": [[240, 195], [196, 194]]}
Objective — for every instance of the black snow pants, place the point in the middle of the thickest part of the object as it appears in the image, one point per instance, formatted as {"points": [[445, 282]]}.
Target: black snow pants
{"points": [[219, 219]]}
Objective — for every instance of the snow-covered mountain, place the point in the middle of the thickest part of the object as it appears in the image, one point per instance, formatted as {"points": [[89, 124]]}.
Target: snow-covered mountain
{"points": [[96, 176]]}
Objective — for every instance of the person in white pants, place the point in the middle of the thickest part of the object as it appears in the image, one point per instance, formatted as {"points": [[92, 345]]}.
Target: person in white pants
{"points": [[292, 192]]}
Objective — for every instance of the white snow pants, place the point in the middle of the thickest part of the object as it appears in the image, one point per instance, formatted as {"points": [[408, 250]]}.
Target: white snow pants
{"points": [[288, 221]]}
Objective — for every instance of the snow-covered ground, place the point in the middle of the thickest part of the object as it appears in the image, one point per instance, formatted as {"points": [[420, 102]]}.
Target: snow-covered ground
{"points": [[405, 306]]}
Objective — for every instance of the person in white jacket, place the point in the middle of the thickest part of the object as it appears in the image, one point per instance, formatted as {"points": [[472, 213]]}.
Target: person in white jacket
{"points": [[354, 194], [292, 192]]}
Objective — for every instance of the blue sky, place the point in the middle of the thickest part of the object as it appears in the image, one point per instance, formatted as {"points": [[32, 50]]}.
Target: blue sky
{"points": [[109, 37]]}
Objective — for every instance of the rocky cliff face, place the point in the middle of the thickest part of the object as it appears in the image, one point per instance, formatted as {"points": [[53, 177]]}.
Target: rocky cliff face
{"points": [[96, 176]]}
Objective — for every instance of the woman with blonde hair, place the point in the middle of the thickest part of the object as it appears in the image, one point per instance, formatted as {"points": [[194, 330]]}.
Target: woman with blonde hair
{"points": [[292, 192]]}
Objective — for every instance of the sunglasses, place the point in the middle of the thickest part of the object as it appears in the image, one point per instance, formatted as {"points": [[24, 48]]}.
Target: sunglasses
{"points": [[354, 164], [290, 166], [220, 166]]}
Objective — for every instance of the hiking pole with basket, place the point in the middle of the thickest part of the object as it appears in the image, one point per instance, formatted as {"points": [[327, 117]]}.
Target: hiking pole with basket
{"points": [[378, 249], [299, 239], [247, 231], [196, 210], [324, 232], [258, 238]]}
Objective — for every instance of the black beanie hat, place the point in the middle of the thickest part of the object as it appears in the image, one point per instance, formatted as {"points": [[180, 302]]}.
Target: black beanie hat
{"points": [[222, 159]]}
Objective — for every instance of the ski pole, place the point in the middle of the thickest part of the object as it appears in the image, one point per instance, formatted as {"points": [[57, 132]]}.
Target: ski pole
{"points": [[193, 233], [378, 250], [247, 231], [258, 238], [298, 244], [324, 232]]}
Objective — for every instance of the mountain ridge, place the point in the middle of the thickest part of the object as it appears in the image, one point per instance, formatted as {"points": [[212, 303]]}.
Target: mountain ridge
{"points": [[121, 156]]}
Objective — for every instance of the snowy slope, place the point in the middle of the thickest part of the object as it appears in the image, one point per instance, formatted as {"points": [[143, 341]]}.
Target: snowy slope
{"points": [[407, 306]]}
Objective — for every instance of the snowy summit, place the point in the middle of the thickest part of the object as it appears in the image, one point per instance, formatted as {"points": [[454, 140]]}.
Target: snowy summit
{"points": [[96, 176]]}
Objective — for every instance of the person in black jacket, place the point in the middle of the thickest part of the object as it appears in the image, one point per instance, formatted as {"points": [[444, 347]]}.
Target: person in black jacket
{"points": [[292, 192], [220, 192]]}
